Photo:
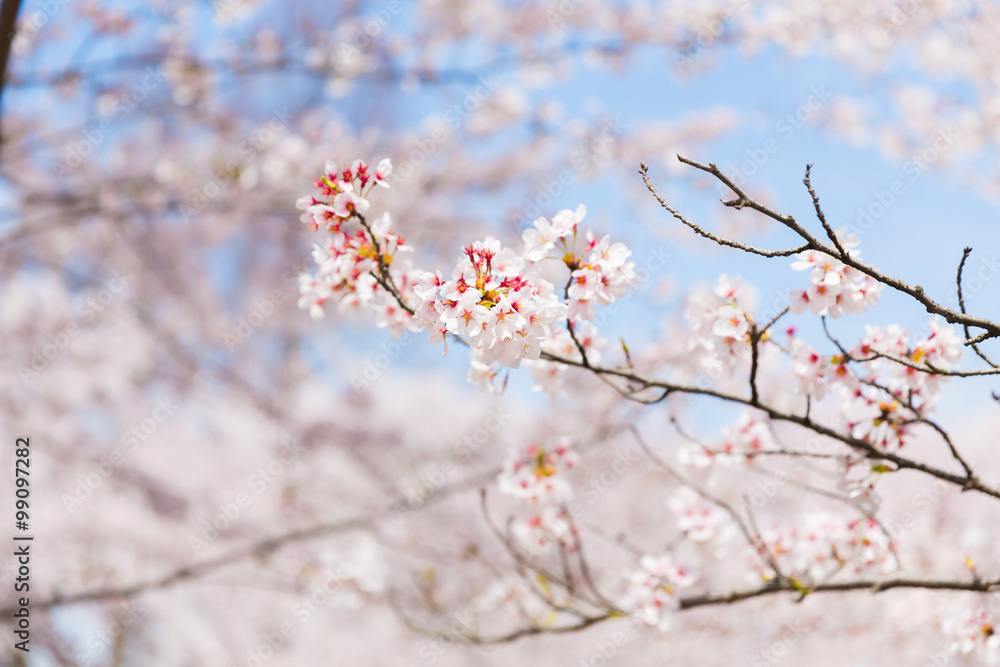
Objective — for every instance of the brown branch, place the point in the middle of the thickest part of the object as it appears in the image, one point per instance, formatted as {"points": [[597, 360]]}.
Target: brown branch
{"points": [[8, 23], [990, 329], [709, 235], [715, 599], [385, 279], [585, 566], [961, 305], [572, 329], [819, 213], [774, 320], [872, 585], [745, 200], [806, 422], [754, 363], [748, 528], [951, 445]]}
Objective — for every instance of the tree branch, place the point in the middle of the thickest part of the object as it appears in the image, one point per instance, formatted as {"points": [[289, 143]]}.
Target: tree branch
{"points": [[990, 329]]}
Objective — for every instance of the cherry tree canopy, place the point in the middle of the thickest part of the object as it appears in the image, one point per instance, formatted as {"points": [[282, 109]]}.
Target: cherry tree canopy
{"points": [[440, 333]]}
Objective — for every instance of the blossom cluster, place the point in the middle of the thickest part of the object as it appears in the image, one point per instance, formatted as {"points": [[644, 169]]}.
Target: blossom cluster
{"points": [[719, 322], [700, 519], [825, 544], [537, 473], [885, 390], [509, 312], [940, 349], [975, 631], [881, 420], [652, 589], [883, 417], [356, 254], [505, 308], [599, 274], [835, 288], [537, 476], [750, 435], [342, 193], [544, 529], [495, 298]]}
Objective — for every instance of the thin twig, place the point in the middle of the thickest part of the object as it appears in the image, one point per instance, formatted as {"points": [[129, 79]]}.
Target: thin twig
{"points": [[819, 213], [961, 305], [990, 329], [709, 235], [750, 532]]}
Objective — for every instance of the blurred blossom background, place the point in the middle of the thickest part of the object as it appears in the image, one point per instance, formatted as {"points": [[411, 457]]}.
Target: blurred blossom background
{"points": [[218, 479]]}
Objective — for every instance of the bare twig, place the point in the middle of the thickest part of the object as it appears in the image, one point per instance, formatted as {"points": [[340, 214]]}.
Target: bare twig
{"points": [[819, 213], [990, 329], [901, 462], [747, 528], [709, 235], [961, 305]]}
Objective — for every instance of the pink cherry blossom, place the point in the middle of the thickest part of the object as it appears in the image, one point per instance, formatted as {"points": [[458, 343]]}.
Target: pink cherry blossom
{"points": [[538, 473]]}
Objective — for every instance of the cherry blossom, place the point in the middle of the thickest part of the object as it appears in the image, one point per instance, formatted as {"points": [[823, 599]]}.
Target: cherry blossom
{"points": [[600, 273], [939, 350], [698, 518], [161, 167], [825, 544], [540, 532], [653, 588], [750, 435], [545, 235], [719, 322], [974, 632], [506, 310], [538, 474], [836, 288], [350, 263]]}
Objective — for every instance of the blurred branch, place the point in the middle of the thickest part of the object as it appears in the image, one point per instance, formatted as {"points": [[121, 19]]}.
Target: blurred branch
{"points": [[258, 548], [8, 23], [717, 599]]}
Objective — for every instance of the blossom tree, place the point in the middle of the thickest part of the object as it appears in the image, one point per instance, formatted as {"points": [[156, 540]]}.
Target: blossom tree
{"points": [[534, 395], [860, 404]]}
